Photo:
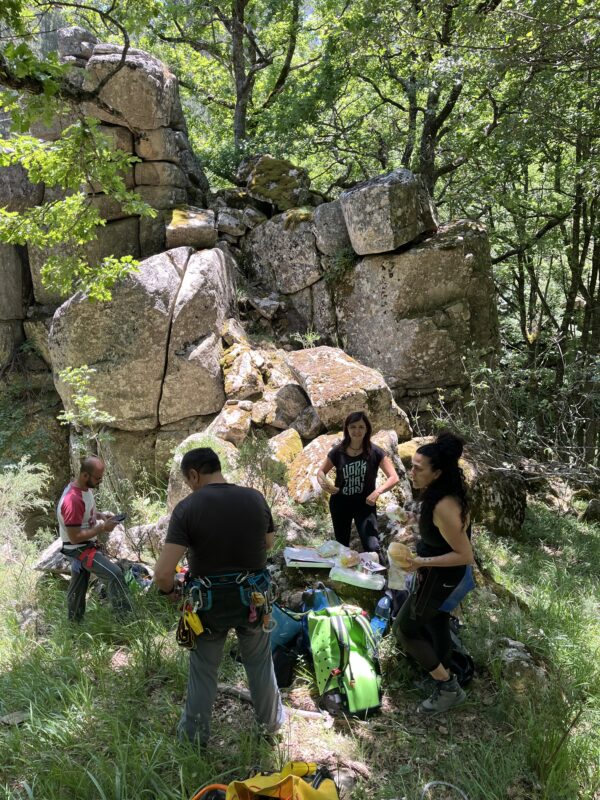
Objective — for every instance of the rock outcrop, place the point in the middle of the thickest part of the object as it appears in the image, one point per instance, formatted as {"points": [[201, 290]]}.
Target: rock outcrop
{"points": [[14, 298], [429, 306], [169, 358], [384, 213], [338, 385], [155, 347]]}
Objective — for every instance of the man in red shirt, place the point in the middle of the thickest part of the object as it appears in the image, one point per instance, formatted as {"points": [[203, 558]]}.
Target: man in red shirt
{"points": [[80, 524]]}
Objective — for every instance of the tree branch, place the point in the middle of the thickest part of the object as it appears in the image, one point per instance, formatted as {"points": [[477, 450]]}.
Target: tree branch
{"points": [[552, 223]]}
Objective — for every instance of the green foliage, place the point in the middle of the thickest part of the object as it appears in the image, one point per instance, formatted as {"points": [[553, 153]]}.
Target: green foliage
{"points": [[338, 268], [258, 468], [18, 400], [22, 487], [307, 339], [85, 415], [105, 676], [82, 158]]}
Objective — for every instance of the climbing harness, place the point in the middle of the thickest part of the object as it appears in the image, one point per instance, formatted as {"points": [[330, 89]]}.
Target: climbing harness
{"points": [[254, 591]]}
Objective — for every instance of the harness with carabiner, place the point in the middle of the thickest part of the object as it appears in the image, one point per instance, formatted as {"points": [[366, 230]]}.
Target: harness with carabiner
{"points": [[254, 591]]}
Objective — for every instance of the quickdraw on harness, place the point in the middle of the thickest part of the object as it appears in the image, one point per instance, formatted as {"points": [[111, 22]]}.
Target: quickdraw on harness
{"points": [[255, 592]]}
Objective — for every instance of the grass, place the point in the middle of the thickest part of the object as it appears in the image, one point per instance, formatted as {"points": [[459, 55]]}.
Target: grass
{"points": [[102, 702]]}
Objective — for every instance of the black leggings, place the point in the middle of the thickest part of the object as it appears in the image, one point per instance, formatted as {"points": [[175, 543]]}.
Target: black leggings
{"points": [[346, 509], [424, 632]]}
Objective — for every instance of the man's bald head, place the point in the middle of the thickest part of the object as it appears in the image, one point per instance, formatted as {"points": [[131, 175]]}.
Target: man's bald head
{"points": [[91, 472]]}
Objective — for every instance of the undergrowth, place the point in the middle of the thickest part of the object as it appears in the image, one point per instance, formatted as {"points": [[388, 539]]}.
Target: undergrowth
{"points": [[101, 702]]}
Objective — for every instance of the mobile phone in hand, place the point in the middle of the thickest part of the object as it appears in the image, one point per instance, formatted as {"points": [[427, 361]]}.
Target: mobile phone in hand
{"points": [[118, 518]]}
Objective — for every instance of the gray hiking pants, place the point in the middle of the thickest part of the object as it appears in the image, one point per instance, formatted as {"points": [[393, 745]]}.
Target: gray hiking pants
{"points": [[255, 651], [109, 573]]}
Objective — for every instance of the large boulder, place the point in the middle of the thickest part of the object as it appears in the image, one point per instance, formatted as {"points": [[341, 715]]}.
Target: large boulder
{"points": [[302, 472], [283, 398], [192, 226], [159, 173], [275, 180], [283, 255], [232, 424], [386, 212], [16, 285], [242, 372], [161, 144], [76, 42], [120, 238], [142, 94], [434, 302], [308, 424], [127, 454], [337, 385], [286, 446], [498, 497], [193, 383], [17, 193], [329, 225], [228, 455], [124, 341]]}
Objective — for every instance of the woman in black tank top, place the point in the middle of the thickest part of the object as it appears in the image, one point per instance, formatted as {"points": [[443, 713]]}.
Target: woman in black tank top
{"points": [[443, 553]]}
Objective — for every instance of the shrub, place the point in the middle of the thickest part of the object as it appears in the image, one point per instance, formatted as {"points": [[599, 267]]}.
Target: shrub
{"points": [[258, 468], [21, 489]]}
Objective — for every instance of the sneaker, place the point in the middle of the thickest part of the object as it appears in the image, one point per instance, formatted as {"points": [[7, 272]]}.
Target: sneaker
{"points": [[446, 695]]}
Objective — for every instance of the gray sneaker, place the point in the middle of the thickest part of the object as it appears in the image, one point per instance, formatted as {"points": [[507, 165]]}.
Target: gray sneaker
{"points": [[446, 695]]}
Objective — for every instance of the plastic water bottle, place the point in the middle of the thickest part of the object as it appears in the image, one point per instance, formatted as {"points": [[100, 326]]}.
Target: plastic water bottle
{"points": [[355, 578], [381, 617]]}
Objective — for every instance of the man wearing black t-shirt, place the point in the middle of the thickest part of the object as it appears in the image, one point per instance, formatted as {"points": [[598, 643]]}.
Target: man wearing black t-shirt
{"points": [[225, 529]]}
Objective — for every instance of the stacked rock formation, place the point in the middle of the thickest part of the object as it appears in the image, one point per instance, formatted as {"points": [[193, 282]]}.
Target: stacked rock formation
{"points": [[141, 114], [171, 361], [373, 271]]}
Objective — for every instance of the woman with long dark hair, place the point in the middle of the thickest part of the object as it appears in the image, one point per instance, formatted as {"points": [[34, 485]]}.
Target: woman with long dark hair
{"points": [[353, 497], [441, 565]]}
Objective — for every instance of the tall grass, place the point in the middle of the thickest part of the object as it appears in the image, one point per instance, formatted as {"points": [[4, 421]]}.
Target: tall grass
{"points": [[554, 569], [102, 701]]}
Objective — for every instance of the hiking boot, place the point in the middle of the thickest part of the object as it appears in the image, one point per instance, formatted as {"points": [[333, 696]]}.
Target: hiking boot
{"points": [[446, 695], [425, 686]]}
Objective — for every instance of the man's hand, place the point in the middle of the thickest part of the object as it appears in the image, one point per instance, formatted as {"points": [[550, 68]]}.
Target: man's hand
{"points": [[164, 569]]}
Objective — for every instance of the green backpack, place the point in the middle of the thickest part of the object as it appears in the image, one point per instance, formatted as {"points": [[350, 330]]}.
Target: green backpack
{"points": [[345, 659]]}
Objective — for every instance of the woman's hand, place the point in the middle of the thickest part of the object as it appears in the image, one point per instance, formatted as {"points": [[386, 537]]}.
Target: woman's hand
{"points": [[371, 500], [323, 480], [412, 564]]}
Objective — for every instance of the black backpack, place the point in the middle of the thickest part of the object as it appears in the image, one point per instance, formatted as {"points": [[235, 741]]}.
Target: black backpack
{"points": [[461, 662]]}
